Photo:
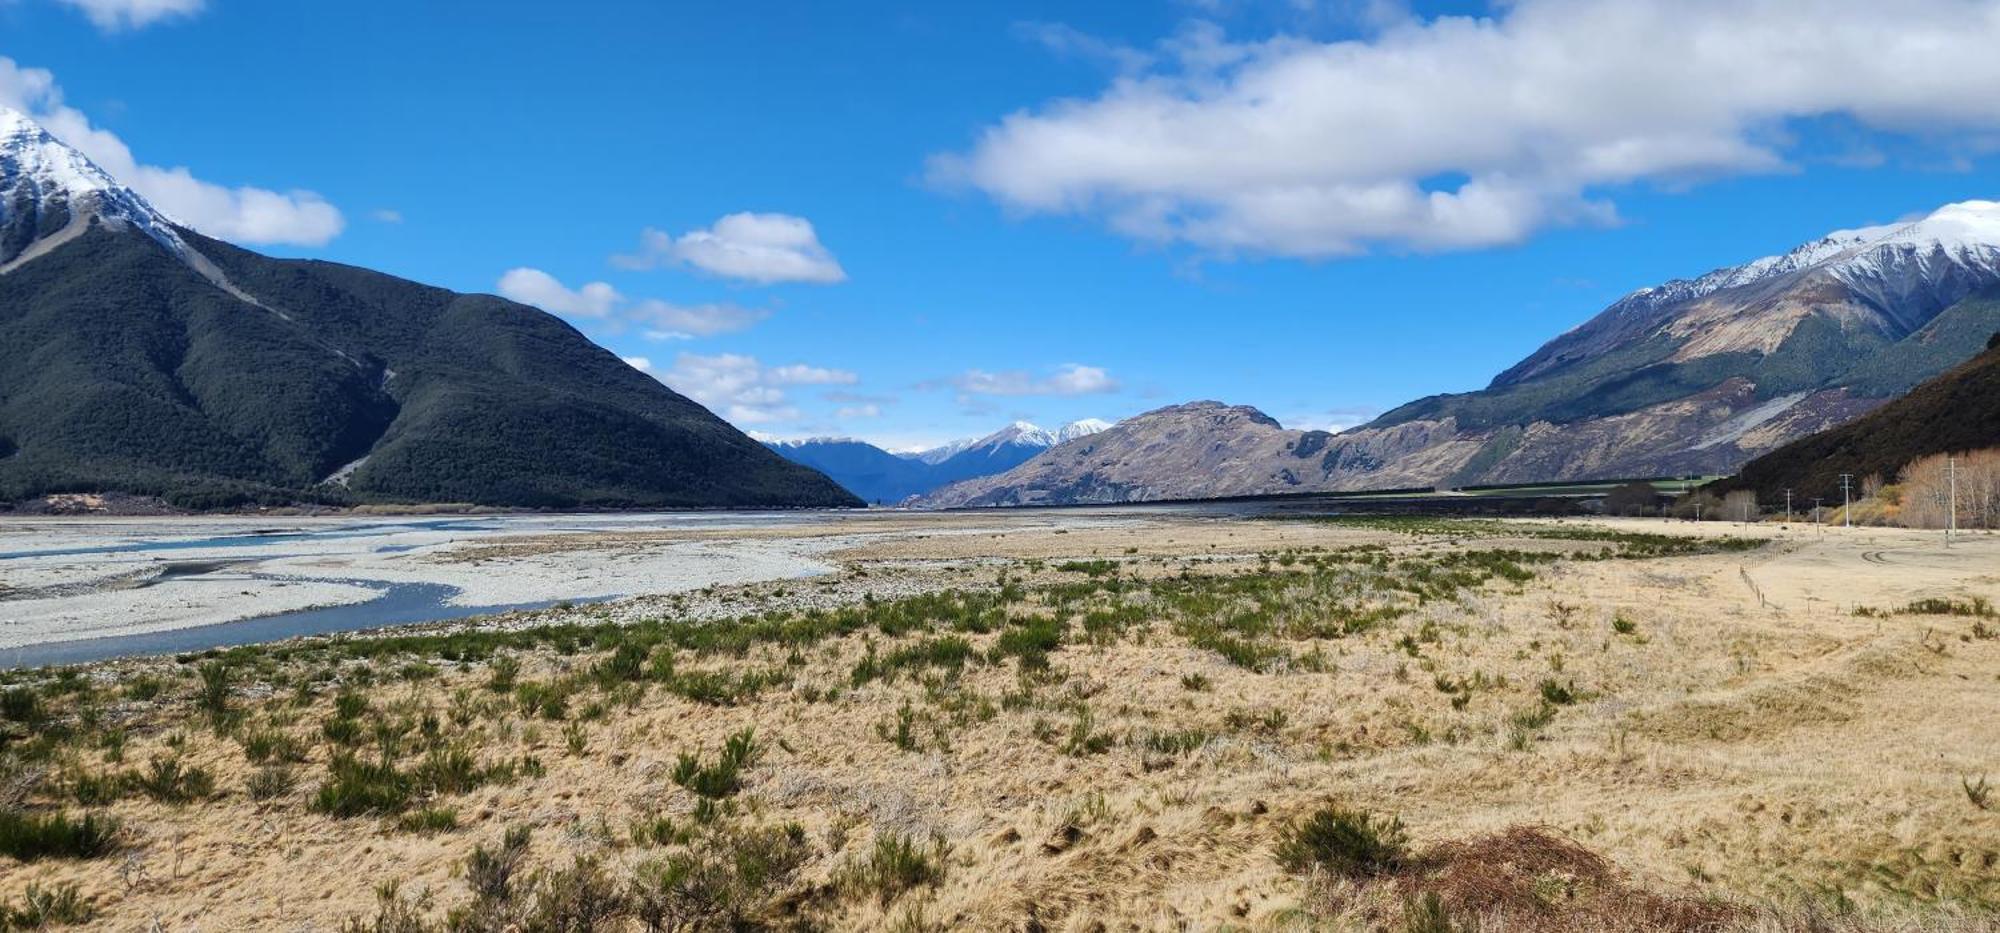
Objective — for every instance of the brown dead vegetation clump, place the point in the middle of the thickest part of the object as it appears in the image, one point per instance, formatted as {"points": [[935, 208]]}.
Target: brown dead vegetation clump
{"points": [[1522, 878], [1530, 878]]}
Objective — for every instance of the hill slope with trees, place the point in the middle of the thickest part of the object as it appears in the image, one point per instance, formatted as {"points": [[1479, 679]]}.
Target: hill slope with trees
{"points": [[1956, 412]]}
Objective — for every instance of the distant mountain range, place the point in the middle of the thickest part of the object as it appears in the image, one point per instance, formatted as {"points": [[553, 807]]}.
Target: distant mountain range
{"points": [[137, 356], [1694, 376], [877, 475]]}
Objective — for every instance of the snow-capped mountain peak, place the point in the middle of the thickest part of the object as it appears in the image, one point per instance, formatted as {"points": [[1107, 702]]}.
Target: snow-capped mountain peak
{"points": [[1081, 428], [1966, 233], [1021, 434], [50, 192], [942, 452], [1892, 277], [1018, 435], [796, 442]]}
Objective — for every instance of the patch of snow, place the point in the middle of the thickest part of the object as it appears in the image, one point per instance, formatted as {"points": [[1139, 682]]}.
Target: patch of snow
{"points": [[797, 442], [943, 452]]}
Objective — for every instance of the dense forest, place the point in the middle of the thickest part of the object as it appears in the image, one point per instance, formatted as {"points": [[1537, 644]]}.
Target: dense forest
{"points": [[122, 369]]}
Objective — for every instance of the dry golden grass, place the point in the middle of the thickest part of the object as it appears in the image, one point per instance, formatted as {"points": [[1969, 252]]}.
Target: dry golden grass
{"points": [[1683, 742]]}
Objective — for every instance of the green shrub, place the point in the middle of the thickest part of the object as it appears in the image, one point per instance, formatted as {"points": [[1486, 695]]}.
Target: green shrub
{"points": [[490, 873], [213, 697], [1030, 641], [264, 745], [429, 820], [22, 705], [92, 789], [896, 864], [271, 782], [733, 880], [502, 673], [723, 778], [625, 664], [167, 780], [42, 908], [578, 898], [28, 836], [1977, 607], [1342, 842], [1558, 694], [355, 787]]}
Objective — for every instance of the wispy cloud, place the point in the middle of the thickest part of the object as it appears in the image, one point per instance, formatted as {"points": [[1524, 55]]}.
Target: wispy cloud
{"points": [[119, 15], [599, 301], [1067, 379]]}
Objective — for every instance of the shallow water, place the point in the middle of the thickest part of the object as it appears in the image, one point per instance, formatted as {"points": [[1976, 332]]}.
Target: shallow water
{"points": [[396, 604], [182, 561]]}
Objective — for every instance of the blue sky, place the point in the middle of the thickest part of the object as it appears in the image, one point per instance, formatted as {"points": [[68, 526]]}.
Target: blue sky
{"points": [[911, 222]]}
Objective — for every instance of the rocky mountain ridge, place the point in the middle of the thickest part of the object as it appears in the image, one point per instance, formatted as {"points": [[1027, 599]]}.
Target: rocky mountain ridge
{"points": [[1693, 376]]}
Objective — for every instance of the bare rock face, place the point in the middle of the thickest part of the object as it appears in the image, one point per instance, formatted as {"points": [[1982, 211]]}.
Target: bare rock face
{"points": [[1692, 376]]}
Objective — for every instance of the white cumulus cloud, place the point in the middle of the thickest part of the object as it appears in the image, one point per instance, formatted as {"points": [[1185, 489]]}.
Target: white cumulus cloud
{"points": [[743, 390], [1067, 379], [761, 248], [1464, 132], [116, 15], [545, 291], [243, 214]]}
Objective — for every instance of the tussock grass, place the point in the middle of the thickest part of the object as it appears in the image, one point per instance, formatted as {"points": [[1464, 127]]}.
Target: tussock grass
{"points": [[1207, 699]]}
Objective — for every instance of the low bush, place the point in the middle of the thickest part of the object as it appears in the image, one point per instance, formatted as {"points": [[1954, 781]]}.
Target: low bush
{"points": [[42, 908], [734, 880], [28, 837], [896, 864], [723, 778], [1342, 842], [355, 787], [168, 780]]}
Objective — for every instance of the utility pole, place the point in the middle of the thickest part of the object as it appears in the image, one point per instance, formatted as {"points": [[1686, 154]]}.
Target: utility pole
{"points": [[1819, 518], [1788, 506], [1846, 500], [1951, 522]]}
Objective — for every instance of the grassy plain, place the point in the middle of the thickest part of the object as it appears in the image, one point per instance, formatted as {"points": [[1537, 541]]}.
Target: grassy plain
{"points": [[1183, 723]]}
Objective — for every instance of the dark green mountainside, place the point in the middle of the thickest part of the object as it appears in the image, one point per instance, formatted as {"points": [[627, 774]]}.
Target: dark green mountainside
{"points": [[122, 368], [1955, 412]]}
